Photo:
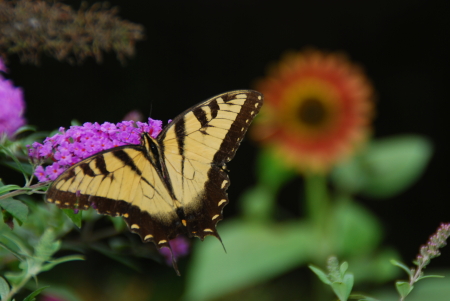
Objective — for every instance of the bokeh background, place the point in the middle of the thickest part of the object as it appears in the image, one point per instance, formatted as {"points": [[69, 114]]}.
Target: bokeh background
{"points": [[196, 49]]}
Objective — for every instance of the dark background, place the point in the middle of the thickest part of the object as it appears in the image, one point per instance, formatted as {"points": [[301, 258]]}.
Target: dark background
{"points": [[197, 49]]}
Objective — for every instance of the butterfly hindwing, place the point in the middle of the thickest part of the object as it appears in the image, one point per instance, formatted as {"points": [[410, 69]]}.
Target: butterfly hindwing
{"points": [[120, 182], [196, 145]]}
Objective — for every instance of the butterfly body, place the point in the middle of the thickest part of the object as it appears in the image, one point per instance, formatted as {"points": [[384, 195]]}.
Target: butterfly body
{"points": [[174, 184]]}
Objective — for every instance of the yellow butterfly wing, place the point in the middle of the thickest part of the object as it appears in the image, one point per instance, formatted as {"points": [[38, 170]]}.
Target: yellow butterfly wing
{"points": [[120, 182], [197, 145]]}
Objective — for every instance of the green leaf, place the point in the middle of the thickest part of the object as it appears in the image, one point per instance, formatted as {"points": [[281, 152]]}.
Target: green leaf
{"points": [[25, 128], [12, 251], [271, 171], [343, 268], [118, 223], [7, 188], [363, 298], [339, 289], [435, 290], [403, 288], [343, 289], [14, 244], [321, 274], [16, 164], [256, 252], [430, 276], [401, 265], [31, 297], [354, 230], [75, 122], [4, 288], [48, 266], [386, 168], [349, 281], [75, 217], [15, 278], [16, 208], [24, 168], [47, 245]]}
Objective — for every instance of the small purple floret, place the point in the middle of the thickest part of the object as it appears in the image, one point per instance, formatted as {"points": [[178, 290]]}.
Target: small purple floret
{"points": [[79, 142], [134, 115], [180, 248]]}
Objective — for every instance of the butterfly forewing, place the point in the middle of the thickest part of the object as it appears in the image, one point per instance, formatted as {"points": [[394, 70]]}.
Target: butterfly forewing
{"points": [[197, 144]]}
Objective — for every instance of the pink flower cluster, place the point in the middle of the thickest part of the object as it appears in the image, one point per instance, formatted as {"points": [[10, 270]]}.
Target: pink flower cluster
{"points": [[12, 105], [79, 142]]}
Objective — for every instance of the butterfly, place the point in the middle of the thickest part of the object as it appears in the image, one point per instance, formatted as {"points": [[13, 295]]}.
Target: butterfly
{"points": [[174, 184]]}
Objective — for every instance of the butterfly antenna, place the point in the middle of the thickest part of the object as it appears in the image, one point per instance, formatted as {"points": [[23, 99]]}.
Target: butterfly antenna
{"points": [[151, 108]]}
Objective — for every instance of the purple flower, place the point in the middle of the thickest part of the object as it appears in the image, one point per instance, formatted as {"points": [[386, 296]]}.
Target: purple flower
{"points": [[79, 142], [431, 249], [134, 115], [180, 248], [12, 105], [40, 174], [53, 171]]}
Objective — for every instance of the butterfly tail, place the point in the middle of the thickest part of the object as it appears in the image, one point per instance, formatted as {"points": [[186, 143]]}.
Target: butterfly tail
{"points": [[174, 260], [220, 239]]}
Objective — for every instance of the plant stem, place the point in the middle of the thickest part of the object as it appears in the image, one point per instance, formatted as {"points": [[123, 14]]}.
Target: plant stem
{"points": [[316, 199], [413, 278], [16, 288], [24, 190]]}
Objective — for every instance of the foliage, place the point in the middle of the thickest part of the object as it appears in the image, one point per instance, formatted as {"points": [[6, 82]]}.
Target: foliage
{"points": [[29, 249], [341, 282], [337, 278]]}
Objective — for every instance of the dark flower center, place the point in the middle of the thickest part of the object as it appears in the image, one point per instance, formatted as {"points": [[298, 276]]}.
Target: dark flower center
{"points": [[312, 112]]}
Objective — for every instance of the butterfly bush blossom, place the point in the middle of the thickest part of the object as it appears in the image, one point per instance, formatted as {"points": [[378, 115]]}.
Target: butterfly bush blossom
{"points": [[179, 246], [79, 142], [12, 105]]}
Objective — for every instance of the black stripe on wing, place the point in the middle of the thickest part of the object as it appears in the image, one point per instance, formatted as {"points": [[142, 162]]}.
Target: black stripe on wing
{"points": [[239, 127], [214, 107], [200, 114]]}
